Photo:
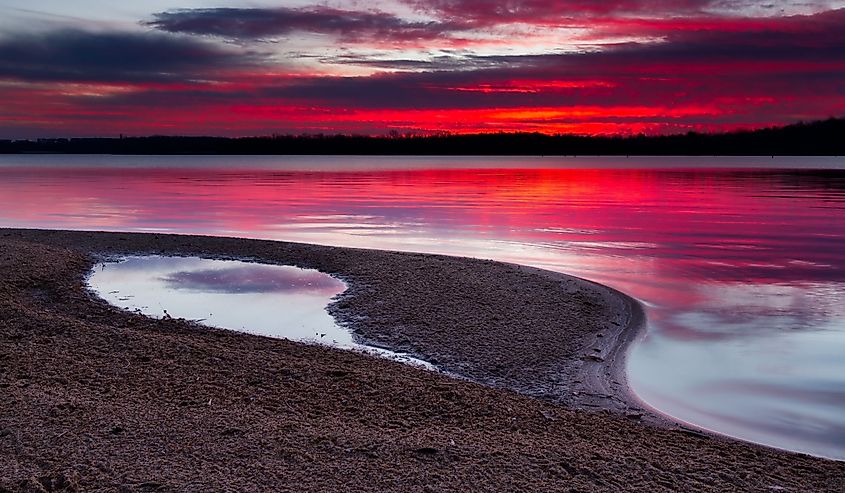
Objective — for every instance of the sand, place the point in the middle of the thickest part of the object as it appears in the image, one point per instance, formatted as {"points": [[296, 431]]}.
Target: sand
{"points": [[99, 399]]}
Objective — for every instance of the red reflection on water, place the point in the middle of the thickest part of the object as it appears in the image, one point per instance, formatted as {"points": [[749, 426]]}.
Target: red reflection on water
{"points": [[657, 226]]}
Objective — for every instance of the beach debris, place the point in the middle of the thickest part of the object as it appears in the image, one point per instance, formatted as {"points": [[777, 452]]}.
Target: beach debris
{"points": [[593, 357], [692, 433]]}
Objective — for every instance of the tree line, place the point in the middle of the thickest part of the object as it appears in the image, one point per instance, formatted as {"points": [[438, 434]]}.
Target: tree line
{"points": [[826, 137]]}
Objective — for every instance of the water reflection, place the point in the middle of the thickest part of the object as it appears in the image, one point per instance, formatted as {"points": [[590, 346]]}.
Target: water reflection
{"points": [[742, 268], [253, 279], [781, 388], [269, 300]]}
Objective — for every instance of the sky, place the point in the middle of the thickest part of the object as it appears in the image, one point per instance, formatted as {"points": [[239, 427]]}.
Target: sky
{"points": [[240, 68]]}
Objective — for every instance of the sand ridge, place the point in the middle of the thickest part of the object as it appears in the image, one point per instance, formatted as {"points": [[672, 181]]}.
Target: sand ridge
{"points": [[99, 399]]}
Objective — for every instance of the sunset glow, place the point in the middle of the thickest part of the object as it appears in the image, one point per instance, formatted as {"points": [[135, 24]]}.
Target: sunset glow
{"points": [[461, 66]]}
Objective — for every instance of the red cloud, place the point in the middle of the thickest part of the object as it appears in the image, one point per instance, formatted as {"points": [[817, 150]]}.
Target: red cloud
{"points": [[704, 71]]}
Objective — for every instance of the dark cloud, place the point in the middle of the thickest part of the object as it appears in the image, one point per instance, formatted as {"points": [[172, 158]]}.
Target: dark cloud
{"points": [[255, 23], [718, 69], [796, 59], [74, 55], [492, 12], [797, 39], [454, 17], [590, 14], [440, 63], [691, 65]]}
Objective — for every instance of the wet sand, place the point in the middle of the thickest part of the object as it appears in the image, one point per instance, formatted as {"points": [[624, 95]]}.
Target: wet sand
{"points": [[99, 399]]}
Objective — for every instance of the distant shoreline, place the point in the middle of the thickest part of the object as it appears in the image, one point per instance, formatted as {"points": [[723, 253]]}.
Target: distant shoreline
{"points": [[821, 138], [100, 398]]}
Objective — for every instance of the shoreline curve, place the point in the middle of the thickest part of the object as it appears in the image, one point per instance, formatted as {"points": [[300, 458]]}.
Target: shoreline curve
{"points": [[510, 327]]}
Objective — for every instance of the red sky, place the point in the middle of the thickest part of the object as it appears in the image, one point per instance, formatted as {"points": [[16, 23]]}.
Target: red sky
{"points": [[571, 66]]}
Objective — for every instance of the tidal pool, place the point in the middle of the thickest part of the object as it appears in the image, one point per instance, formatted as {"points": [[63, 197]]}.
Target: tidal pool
{"points": [[269, 300]]}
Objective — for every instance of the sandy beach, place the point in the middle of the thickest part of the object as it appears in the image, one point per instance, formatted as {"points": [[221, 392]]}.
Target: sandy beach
{"points": [[532, 394]]}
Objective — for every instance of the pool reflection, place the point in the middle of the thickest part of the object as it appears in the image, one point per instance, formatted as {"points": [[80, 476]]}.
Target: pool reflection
{"points": [[269, 300], [272, 300], [253, 279]]}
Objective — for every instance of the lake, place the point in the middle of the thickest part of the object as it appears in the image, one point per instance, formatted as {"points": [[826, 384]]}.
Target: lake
{"points": [[740, 262]]}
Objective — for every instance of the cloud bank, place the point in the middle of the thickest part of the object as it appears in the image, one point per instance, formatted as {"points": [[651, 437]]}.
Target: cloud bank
{"points": [[623, 66]]}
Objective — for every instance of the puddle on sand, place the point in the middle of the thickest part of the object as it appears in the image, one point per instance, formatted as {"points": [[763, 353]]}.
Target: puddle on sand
{"points": [[269, 300]]}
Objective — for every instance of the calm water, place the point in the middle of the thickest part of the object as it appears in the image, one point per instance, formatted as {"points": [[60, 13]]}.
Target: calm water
{"points": [[741, 266], [270, 300]]}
